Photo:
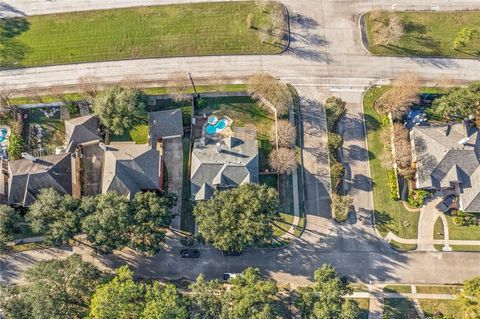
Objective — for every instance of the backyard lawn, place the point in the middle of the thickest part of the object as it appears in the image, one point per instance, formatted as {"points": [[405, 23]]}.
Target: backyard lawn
{"points": [[429, 34], [43, 132], [142, 32], [390, 215]]}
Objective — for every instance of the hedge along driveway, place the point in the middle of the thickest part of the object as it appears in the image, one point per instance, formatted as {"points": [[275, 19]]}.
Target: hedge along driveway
{"points": [[430, 34], [143, 32]]}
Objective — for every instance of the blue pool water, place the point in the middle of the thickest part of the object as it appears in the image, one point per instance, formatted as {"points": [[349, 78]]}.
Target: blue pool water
{"points": [[3, 134], [212, 120], [219, 127]]}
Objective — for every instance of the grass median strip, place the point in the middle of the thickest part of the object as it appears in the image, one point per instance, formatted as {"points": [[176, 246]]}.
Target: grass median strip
{"points": [[143, 32], [426, 34]]}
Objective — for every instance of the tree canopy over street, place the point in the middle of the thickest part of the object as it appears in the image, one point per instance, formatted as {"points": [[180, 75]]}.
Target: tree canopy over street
{"points": [[235, 218], [119, 109]]}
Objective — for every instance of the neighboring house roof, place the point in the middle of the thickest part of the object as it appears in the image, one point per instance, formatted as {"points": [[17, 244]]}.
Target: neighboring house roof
{"points": [[129, 168], [27, 178], [449, 154], [81, 129], [163, 124], [235, 164]]}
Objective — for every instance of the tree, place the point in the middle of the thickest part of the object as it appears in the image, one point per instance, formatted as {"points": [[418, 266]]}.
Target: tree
{"points": [[283, 160], [15, 146], [235, 218], [119, 109], [287, 134], [458, 104], [250, 21], [178, 85], [206, 298], [120, 298], [251, 296], [54, 289], [151, 215], [273, 94], [335, 108], [326, 298], [463, 37], [469, 298], [164, 302], [337, 170], [403, 150], [56, 216], [390, 29], [9, 224], [108, 227], [399, 98], [335, 141], [340, 207]]}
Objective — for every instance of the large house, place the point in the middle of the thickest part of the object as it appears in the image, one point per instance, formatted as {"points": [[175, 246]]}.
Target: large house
{"points": [[86, 166], [448, 157], [219, 164]]}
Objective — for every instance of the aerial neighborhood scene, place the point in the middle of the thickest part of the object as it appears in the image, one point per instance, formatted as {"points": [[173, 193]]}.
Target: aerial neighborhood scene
{"points": [[240, 159]]}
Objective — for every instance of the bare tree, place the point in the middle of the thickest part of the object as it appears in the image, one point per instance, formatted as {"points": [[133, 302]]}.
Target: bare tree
{"points": [[262, 4], [388, 30], [131, 82], [283, 160], [403, 150], [218, 80], [178, 85], [270, 92], [403, 93], [89, 85], [264, 33], [286, 134]]}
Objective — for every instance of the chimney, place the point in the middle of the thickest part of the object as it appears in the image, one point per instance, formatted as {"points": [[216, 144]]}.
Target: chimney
{"points": [[29, 157]]}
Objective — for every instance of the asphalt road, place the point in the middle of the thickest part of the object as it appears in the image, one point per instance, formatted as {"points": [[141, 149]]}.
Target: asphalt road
{"points": [[326, 58]]}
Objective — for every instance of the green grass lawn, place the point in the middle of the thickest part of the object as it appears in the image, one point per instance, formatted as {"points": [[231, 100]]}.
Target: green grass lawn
{"points": [[363, 304], [390, 215], [398, 288], [438, 229], [438, 289], [282, 225], [399, 308], [470, 232], [446, 307], [138, 134], [141, 32], [429, 34], [402, 246]]}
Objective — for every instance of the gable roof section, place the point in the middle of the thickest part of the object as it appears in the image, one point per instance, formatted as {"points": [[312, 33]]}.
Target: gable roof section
{"points": [[27, 178], [441, 159], [82, 129], [166, 123], [129, 168]]}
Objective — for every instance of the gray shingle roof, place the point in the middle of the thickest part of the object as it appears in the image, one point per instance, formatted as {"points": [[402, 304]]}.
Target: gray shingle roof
{"points": [[27, 178], [234, 165], [129, 168], [81, 130], [441, 159], [165, 123]]}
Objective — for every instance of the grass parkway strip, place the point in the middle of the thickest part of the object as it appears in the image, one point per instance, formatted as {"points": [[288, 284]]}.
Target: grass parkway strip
{"points": [[143, 32]]}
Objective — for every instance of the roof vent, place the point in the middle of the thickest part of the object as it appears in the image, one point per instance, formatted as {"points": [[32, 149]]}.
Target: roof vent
{"points": [[29, 157]]}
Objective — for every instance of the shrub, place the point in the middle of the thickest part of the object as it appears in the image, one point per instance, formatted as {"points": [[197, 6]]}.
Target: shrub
{"points": [[250, 19], [463, 219], [335, 141], [417, 197], [393, 184], [340, 207], [334, 109], [72, 108], [337, 170], [15, 146]]}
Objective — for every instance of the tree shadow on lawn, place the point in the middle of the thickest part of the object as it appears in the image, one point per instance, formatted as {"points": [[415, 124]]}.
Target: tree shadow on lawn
{"points": [[12, 51]]}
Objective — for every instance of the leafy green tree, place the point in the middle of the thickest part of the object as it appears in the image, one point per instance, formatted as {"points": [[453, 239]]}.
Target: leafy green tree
{"points": [[151, 215], [119, 109], [458, 104], [326, 298], [463, 37], [56, 216], [238, 217], [9, 224], [251, 297], [15, 146], [108, 227], [206, 298], [335, 108], [164, 302], [54, 289], [469, 298], [120, 298]]}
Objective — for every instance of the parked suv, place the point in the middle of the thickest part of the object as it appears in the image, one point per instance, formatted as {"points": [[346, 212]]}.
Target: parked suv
{"points": [[189, 253]]}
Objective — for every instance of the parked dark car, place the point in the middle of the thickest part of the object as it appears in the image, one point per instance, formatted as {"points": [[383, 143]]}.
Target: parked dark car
{"points": [[189, 253], [231, 253], [447, 203], [227, 276]]}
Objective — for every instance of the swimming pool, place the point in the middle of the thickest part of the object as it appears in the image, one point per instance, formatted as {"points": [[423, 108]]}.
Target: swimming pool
{"points": [[219, 126], [3, 134]]}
